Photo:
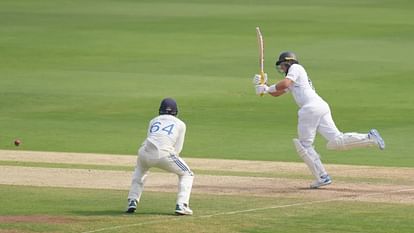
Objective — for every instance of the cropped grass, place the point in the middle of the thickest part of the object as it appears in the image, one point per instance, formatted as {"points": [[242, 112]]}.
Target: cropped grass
{"points": [[87, 76], [83, 210]]}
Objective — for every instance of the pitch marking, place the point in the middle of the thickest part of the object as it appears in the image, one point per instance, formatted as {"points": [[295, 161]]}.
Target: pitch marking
{"points": [[245, 211]]}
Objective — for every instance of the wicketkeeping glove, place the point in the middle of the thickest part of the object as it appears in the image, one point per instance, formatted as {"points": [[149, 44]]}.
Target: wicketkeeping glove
{"points": [[256, 79]]}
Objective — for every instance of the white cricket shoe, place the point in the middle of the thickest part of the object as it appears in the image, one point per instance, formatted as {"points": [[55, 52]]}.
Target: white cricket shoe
{"points": [[374, 134], [132, 206], [325, 180], [183, 209]]}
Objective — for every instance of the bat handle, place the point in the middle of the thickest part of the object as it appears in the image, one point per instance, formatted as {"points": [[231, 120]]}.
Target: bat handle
{"points": [[262, 79]]}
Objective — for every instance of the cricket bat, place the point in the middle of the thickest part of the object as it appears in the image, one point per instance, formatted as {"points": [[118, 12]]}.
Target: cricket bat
{"points": [[261, 55]]}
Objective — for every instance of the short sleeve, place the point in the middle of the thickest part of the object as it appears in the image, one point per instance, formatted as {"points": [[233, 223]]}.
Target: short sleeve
{"points": [[293, 73]]}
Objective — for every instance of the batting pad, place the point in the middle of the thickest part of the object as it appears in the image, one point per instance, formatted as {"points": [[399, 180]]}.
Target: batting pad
{"points": [[311, 159], [349, 141]]}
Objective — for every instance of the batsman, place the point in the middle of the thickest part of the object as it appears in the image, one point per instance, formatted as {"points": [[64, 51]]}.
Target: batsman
{"points": [[314, 116]]}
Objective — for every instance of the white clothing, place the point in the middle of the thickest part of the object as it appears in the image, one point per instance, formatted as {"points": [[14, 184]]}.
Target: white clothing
{"points": [[311, 159], [164, 142], [166, 133], [302, 88], [314, 115]]}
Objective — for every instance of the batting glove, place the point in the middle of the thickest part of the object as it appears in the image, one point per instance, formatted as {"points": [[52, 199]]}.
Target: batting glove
{"points": [[257, 77], [261, 89]]}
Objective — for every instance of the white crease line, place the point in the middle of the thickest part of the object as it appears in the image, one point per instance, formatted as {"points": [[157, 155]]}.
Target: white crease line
{"points": [[246, 211], [133, 225]]}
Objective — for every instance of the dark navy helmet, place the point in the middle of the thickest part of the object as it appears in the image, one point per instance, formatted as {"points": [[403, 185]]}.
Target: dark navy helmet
{"points": [[288, 57], [168, 106]]}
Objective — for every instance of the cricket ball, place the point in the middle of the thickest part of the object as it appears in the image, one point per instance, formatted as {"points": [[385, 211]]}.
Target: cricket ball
{"points": [[17, 142]]}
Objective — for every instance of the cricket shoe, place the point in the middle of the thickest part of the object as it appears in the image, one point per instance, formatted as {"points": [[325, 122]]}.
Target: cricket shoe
{"points": [[374, 134], [132, 206], [325, 180], [183, 209]]}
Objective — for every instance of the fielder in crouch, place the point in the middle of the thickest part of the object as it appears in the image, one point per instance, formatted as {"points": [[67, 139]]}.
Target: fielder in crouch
{"points": [[314, 116], [164, 142]]}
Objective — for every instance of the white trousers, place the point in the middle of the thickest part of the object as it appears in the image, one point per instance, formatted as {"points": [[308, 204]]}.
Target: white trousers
{"points": [[148, 158], [315, 118]]}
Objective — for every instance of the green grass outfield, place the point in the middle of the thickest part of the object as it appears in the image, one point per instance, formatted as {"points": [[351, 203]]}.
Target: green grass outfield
{"points": [[84, 210], [87, 76]]}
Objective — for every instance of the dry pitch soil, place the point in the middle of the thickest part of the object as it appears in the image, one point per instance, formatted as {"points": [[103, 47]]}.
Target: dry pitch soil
{"points": [[220, 177]]}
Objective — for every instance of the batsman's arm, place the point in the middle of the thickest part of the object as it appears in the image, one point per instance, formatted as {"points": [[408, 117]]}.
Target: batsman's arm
{"points": [[280, 88]]}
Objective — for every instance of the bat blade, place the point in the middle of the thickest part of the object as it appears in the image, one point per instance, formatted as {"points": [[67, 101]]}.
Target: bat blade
{"points": [[260, 43]]}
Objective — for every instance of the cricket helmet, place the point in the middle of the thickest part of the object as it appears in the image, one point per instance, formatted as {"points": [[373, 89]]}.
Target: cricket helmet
{"points": [[288, 57], [168, 106]]}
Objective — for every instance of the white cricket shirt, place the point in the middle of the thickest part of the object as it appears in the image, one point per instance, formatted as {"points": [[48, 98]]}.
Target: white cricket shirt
{"points": [[167, 133], [301, 89]]}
